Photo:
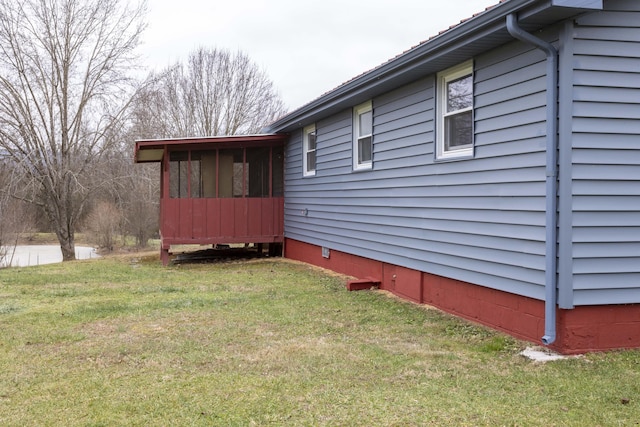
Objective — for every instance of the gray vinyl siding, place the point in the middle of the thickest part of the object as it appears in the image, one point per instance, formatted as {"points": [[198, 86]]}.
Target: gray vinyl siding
{"points": [[604, 199], [479, 220]]}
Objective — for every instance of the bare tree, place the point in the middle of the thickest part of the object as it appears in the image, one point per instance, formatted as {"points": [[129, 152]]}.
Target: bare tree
{"points": [[135, 193], [216, 93], [15, 217], [6, 237], [64, 88]]}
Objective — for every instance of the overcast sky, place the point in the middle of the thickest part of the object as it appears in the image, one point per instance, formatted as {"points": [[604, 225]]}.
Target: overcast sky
{"points": [[307, 47]]}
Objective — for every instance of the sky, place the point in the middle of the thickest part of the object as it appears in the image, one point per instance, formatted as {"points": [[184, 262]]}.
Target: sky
{"points": [[306, 47]]}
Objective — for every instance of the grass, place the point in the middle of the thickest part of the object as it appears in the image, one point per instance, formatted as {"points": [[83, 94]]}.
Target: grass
{"points": [[124, 341]]}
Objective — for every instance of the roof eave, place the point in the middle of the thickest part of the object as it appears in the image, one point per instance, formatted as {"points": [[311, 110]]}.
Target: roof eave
{"points": [[531, 12], [155, 147]]}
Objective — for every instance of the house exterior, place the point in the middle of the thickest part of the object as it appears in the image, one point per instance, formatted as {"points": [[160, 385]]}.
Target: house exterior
{"points": [[492, 171], [219, 190]]}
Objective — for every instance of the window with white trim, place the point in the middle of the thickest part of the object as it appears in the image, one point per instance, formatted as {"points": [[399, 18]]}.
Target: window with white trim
{"points": [[454, 129], [363, 136], [309, 150]]}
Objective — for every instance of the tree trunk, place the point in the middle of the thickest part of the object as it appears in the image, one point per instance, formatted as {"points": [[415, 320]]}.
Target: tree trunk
{"points": [[66, 238], [60, 220], [68, 247]]}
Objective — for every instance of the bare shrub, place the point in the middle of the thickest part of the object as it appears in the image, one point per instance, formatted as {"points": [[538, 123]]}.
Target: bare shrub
{"points": [[104, 222], [16, 219]]}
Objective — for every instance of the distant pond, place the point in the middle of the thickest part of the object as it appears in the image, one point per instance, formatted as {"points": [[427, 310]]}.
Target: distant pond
{"points": [[29, 255]]}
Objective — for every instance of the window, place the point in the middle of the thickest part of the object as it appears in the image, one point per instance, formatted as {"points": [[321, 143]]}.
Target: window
{"points": [[309, 150], [362, 136], [455, 112]]}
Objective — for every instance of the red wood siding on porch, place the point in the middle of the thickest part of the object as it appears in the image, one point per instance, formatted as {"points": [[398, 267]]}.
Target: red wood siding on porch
{"points": [[233, 220]]}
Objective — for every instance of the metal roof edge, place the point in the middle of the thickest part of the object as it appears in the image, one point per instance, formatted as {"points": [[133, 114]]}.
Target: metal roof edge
{"points": [[188, 139], [491, 17], [159, 145]]}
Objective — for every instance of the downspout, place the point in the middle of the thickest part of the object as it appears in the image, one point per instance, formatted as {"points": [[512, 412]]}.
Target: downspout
{"points": [[551, 171]]}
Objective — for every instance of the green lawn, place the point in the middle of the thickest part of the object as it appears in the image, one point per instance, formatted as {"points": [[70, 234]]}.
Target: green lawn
{"points": [[125, 341]]}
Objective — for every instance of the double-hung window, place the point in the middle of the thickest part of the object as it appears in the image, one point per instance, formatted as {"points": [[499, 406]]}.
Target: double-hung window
{"points": [[455, 112], [309, 150], [362, 136]]}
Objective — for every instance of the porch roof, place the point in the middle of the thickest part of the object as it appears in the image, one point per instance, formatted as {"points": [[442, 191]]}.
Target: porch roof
{"points": [[152, 150]]}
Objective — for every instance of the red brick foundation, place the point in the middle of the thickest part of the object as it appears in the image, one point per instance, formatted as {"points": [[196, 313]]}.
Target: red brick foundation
{"points": [[580, 330]]}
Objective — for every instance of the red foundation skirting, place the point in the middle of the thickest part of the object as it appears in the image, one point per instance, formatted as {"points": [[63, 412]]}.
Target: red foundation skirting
{"points": [[580, 330]]}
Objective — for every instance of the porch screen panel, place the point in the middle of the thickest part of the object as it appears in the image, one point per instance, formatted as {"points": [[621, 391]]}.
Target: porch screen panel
{"points": [[231, 173], [203, 174], [258, 171], [277, 174], [196, 175], [178, 174]]}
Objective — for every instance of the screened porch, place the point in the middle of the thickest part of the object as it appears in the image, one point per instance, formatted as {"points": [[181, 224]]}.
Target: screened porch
{"points": [[219, 190]]}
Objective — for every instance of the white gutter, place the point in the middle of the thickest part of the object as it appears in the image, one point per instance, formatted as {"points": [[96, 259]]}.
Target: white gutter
{"points": [[551, 227]]}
